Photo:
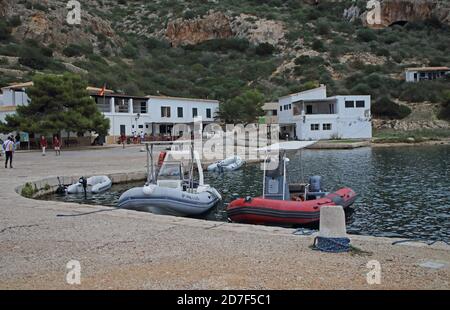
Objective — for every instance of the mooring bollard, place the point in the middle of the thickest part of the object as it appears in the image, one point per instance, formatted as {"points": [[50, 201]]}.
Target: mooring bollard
{"points": [[332, 222], [332, 230]]}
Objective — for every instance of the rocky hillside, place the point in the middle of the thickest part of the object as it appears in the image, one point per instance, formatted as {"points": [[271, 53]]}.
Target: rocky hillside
{"points": [[218, 49]]}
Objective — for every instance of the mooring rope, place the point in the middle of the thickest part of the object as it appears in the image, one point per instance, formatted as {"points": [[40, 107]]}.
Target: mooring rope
{"points": [[331, 245], [86, 213], [427, 242]]}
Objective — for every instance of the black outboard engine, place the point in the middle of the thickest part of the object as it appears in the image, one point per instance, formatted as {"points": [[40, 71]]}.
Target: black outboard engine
{"points": [[83, 182], [315, 183], [315, 188], [61, 188]]}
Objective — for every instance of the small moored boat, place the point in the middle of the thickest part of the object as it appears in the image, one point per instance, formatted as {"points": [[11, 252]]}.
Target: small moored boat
{"points": [[94, 184], [287, 204], [171, 193], [231, 163]]}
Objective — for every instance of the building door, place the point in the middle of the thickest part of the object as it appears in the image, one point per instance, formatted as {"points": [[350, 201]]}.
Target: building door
{"points": [[123, 130]]}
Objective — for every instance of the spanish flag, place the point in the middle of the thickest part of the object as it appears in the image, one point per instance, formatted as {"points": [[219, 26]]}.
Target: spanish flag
{"points": [[102, 91]]}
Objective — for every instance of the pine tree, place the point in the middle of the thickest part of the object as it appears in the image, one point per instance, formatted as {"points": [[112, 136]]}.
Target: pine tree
{"points": [[58, 102]]}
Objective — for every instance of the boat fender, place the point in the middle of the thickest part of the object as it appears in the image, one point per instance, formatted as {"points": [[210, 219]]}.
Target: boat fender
{"points": [[161, 158], [338, 200], [248, 199]]}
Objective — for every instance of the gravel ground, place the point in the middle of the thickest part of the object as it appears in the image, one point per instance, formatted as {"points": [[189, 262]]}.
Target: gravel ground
{"points": [[121, 249]]}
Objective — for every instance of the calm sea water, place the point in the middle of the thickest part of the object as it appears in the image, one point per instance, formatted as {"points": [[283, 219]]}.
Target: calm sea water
{"points": [[403, 191]]}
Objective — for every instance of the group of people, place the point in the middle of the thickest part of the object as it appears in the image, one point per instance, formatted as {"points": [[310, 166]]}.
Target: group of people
{"points": [[136, 139], [56, 145], [11, 144]]}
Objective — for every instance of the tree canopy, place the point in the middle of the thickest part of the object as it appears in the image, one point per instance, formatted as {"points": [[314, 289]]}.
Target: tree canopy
{"points": [[58, 102], [245, 108]]}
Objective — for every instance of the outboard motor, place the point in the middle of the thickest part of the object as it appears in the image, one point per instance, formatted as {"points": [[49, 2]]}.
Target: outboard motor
{"points": [[61, 188], [83, 182], [315, 183], [315, 188]]}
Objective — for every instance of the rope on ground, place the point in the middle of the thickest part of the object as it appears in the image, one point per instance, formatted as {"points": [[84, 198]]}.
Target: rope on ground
{"points": [[427, 242], [86, 213], [331, 245], [303, 232]]}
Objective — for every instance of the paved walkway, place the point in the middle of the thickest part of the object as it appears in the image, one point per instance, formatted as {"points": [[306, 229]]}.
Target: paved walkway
{"points": [[128, 250]]}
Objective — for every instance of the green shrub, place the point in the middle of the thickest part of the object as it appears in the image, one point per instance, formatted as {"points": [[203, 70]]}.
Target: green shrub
{"points": [[366, 35], [75, 50], [264, 49], [33, 57], [5, 31], [14, 21], [386, 108], [28, 190], [236, 44], [318, 45], [444, 113], [323, 27], [153, 43], [361, 89], [129, 51], [423, 91]]}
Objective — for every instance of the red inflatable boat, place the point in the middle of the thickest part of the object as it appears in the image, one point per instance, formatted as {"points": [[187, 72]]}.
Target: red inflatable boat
{"points": [[286, 212]]}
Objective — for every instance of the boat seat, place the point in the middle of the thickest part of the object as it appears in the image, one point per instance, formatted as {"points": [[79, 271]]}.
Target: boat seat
{"points": [[177, 184], [297, 188]]}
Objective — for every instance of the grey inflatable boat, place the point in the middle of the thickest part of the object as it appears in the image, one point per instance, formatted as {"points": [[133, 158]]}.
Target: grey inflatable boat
{"points": [[173, 194]]}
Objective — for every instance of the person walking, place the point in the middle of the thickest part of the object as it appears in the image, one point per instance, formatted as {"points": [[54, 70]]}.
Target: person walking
{"points": [[142, 136], [57, 145], [44, 145], [123, 139], [8, 146]]}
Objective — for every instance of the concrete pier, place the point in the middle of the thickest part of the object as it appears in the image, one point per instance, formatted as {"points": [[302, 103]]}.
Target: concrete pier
{"points": [[132, 250]]}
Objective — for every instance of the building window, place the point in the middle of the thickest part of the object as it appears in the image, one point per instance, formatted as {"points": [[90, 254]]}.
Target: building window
{"points": [[309, 109], [180, 112], [194, 112], [360, 103], [290, 106], [165, 111], [326, 126], [121, 105], [281, 108], [103, 104], [349, 104], [141, 126], [274, 112], [143, 107], [139, 106], [315, 127], [331, 105], [208, 113]]}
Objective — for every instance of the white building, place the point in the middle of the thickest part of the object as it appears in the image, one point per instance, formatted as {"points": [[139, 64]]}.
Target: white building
{"points": [[153, 115], [270, 113], [11, 97], [311, 115], [425, 73]]}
